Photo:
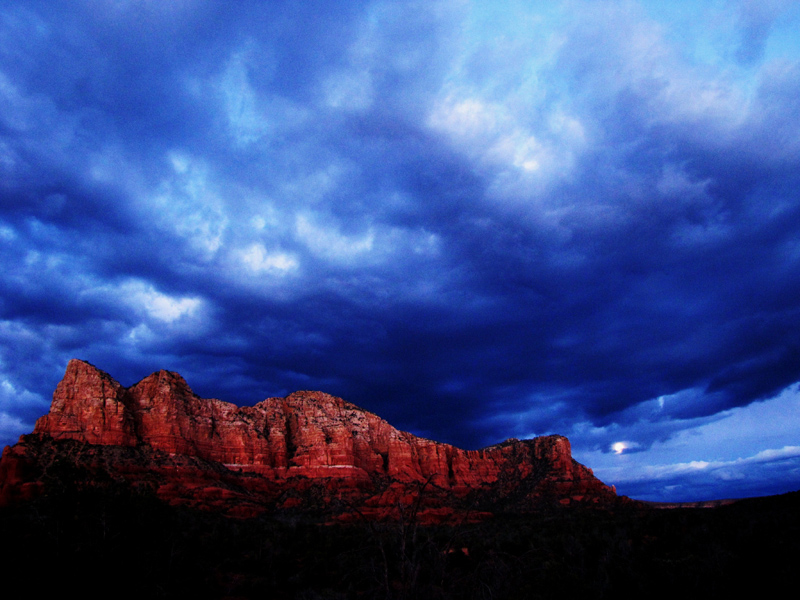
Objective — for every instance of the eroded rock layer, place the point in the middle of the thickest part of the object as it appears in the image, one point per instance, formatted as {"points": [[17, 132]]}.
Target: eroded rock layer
{"points": [[307, 452]]}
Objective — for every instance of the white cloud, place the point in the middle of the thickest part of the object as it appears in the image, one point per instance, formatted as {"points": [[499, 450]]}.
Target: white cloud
{"points": [[258, 259], [468, 118], [246, 119], [180, 162], [622, 53], [736, 445], [14, 400], [12, 427], [348, 90], [252, 115], [187, 204], [675, 182], [522, 155], [12, 397], [155, 304], [141, 335], [169, 309], [718, 468], [623, 446], [329, 243]]}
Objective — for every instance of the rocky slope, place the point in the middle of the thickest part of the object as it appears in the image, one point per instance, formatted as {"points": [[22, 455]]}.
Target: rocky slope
{"points": [[309, 452]]}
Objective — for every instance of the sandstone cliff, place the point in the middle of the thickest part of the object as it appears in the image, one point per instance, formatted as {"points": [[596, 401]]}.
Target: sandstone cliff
{"points": [[307, 452]]}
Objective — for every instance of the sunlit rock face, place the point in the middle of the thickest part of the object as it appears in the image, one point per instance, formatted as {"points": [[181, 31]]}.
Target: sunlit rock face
{"points": [[307, 452]]}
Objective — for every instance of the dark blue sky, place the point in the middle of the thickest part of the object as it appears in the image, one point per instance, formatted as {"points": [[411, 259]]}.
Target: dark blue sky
{"points": [[479, 220]]}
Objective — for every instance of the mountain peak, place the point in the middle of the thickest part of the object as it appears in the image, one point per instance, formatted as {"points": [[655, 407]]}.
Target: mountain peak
{"points": [[267, 455]]}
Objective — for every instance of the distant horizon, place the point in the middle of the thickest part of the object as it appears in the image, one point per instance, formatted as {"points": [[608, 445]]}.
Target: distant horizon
{"points": [[508, 439], [478, 220]]}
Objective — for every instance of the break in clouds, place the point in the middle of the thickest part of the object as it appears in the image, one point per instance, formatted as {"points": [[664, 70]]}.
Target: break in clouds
{"points": [[478, 220]]}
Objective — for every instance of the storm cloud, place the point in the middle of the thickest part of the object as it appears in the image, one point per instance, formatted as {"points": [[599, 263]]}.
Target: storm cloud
{"points": [[477, 220]]}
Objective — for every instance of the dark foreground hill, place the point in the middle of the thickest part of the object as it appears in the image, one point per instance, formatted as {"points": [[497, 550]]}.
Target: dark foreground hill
{"points": [[122, 544]]}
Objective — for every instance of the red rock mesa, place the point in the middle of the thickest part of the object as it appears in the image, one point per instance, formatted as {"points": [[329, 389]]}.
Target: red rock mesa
{"points": [[309, 452]]}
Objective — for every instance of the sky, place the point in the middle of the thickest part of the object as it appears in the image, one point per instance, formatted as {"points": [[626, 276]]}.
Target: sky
{"points": [[478, 220]]}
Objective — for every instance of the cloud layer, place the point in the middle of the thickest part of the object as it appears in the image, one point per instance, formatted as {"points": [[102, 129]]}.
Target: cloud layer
{"points": [[477, 220]]}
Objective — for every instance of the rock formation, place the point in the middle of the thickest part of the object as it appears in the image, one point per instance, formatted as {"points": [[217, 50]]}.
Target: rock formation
{"points": [[309, 452]]}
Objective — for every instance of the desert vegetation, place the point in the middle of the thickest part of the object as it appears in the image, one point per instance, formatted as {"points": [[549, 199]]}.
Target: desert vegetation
{"points": [[114, 540]]}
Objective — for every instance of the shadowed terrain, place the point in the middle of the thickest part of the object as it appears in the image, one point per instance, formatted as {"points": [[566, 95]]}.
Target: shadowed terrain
{"points": [[153, 492]]}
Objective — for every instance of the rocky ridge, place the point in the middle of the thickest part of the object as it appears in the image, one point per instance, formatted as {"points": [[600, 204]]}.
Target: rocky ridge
{"points": [[308, 452]]}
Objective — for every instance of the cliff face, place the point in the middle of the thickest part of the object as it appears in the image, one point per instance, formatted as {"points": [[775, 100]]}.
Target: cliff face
{"points": [[308, 450]]}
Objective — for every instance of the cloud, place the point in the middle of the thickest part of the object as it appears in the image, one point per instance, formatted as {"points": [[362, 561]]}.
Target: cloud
{"points": [[771, 471], [19, 407], [475, 220], [329, 243], [736, 453], [258, 259], [756, 21], [521, 159], [160, 306]]}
